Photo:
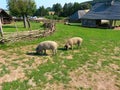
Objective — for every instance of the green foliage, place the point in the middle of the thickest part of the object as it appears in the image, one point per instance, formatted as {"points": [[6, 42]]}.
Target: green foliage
{"points": [[54, 17], [21, 7], [41, 11], [66, 10], [57, 8], [70, 8]]}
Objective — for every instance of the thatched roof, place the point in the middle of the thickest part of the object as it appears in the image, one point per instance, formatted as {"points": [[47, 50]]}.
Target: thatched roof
{"points": [[104, 11]]}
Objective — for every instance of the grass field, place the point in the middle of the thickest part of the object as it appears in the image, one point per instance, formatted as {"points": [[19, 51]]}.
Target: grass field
{"points": [[14, 26], [95, 66]]}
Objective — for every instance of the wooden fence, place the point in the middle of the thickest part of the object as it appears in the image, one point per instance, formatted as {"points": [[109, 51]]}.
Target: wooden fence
{"points": [[27, 35]]}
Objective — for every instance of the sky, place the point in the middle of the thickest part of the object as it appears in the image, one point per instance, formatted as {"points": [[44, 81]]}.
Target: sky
{"points": [[45, 3]]}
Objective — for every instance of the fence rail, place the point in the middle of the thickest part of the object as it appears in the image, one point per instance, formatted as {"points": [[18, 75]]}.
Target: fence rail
{"points": [[27, 35]]}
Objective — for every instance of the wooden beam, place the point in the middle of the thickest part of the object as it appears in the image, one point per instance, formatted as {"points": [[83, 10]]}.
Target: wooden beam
{"points": [[114, 23], [111, 23]]}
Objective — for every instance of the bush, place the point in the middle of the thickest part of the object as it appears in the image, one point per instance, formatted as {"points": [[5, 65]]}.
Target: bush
{"points": [[54, 17]]}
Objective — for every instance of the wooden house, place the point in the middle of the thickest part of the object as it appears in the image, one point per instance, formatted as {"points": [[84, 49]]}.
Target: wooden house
{"points": [[5, 17], [107, 10]]}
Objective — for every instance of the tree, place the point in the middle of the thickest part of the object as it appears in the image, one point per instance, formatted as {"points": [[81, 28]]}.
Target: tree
{"points": [[57, 8], [70, 9], [84, 6], [22, 8], [41, 11], [76, 6], [65, 10], [49, 9]]}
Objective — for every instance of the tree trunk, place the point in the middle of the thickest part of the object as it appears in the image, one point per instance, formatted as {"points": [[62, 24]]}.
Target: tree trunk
{"points": [[28, 22], [25, 21], [1, 31]]}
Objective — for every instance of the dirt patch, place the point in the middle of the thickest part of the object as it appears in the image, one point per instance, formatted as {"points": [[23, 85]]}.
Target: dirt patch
{"points": [[17, 61], [69, 57], [114, 67], [96, 81], [2, 60], [50, 86], [49, 76], [76, 51], [31, 82], [54, 86], [37, 62], [14, 75], [2, 52], [117, 28]]}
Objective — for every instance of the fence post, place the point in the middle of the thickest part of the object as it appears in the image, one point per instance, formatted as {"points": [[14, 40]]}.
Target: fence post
{"points": [[1, 30], [16, 27]]}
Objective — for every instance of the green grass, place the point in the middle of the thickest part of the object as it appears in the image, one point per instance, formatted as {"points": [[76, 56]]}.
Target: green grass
{"points": [[13, 27], [98, 44], [16, 85], [69, 31]]}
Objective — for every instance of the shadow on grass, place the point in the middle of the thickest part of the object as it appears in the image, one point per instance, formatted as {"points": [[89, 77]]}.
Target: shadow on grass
{"points": [[62, 49], [75, 24], [35, 54], [8, 26], [70, 49]]}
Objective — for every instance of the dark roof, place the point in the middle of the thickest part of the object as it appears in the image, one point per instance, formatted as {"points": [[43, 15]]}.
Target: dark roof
{"points": [[4, 14], [104, 11], [1, 10], [77, 15]]}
